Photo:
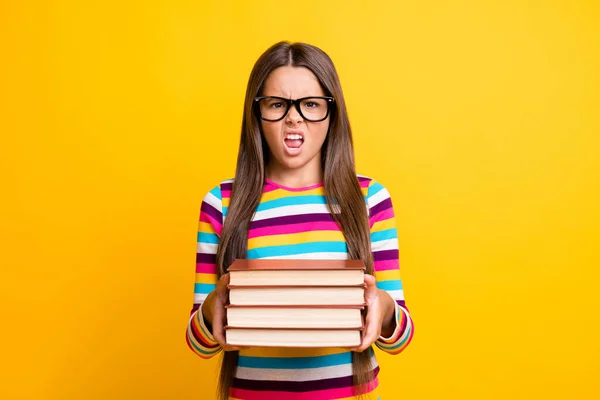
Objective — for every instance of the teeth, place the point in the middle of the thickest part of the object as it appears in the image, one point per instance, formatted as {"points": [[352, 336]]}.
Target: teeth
{"points": [[293, 137]]}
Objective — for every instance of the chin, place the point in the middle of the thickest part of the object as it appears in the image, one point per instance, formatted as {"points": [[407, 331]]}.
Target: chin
{"points": [[294, 162]]}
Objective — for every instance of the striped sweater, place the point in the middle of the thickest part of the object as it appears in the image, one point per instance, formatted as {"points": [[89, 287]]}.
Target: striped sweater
{"points": [[296, 223]]}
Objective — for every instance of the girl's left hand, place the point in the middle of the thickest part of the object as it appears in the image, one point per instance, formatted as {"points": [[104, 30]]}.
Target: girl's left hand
{"points": [[375, 314]]}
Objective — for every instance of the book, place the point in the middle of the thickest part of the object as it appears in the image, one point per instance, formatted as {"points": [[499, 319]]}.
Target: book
{"points": [[294, 317], [272, 272], [269, 337], [295, 303], [309, 295]]}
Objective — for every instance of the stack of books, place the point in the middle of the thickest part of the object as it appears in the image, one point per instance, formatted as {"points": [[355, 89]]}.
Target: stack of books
{"points": [[295, 303]]}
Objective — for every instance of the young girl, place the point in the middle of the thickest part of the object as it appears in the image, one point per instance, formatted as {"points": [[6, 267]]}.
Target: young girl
{"points": [[296, 195]]}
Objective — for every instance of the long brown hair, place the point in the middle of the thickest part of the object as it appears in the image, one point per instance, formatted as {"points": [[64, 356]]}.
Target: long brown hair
{"points": [[342, 190]]}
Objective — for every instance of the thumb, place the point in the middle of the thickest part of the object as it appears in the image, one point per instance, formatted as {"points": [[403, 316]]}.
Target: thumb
{"points": [[371, 285], [223, 281], [221, 289]]}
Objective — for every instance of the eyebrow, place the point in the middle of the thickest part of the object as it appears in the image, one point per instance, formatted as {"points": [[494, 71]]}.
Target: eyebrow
{"points": [[299, 97]]}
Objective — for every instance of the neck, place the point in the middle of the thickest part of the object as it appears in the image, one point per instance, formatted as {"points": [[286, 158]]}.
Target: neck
{"points": [[307, 175]]}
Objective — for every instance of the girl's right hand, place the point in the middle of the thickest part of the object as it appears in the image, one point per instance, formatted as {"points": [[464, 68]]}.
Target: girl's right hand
{"points": [[215, 313]]}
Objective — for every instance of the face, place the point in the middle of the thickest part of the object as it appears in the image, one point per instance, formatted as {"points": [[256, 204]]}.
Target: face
{"points": [[293, 141]]}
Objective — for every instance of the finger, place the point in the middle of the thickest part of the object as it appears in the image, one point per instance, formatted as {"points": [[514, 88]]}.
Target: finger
{"points": [[371, 330], [362, 334], [370, 280], [229, 347], [361, 347], [368, 339], [225, 278], [219, 328], [232, 348], [217, 324], [221, 338], [223, 283], [371, 286]]}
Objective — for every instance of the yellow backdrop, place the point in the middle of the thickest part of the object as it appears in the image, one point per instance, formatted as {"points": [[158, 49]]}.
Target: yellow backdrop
{"points": [[481, 118]]}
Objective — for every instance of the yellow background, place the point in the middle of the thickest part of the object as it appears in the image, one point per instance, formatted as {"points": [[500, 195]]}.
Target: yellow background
{"points": [[481, 118]]}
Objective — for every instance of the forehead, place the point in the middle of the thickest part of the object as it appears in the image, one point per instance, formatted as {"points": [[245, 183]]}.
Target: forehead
{"points": [[292, 82]]}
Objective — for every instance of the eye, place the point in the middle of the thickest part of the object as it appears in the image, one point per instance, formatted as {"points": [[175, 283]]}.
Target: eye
{"points": [[311, 104], [276, 105]]}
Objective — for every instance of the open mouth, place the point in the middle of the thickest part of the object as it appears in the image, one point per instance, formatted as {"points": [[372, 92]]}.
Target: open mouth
{"points": [[293, 143]]}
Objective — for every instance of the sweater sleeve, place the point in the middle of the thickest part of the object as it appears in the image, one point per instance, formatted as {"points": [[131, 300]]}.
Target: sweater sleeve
{"points": [[199, 337], [384, 245]]}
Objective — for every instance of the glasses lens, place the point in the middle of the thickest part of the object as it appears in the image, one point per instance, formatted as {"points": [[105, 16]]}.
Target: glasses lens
{"points": [[314, 109], [272, 109]]}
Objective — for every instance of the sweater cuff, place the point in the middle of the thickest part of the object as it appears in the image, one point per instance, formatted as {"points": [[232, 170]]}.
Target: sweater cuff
{"points": [[402, 335], [394, 336], [204, 330]]}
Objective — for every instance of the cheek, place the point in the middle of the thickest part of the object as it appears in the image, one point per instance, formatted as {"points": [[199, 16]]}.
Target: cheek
{"points": [[319, 133], [271, 132]]}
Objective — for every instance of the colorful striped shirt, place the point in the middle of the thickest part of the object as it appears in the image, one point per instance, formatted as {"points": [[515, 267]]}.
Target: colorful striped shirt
{"points": [[296, 223]]}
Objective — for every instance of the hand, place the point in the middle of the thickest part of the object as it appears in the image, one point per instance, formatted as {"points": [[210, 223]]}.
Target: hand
{"points": [[376, 314], [216, 313]]}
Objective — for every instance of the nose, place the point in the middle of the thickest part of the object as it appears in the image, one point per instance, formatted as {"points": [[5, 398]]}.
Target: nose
{"points": [[293, 115]]}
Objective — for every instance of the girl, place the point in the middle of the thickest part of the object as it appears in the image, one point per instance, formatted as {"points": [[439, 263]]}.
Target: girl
{"points": [[295, 165]]}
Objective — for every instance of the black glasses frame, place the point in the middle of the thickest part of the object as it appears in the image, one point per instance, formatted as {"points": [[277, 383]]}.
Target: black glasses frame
{"points": [[295, 103]]}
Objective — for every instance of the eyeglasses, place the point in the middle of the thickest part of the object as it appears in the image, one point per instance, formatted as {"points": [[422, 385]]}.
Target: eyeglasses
{"points": [[313, 109]]}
